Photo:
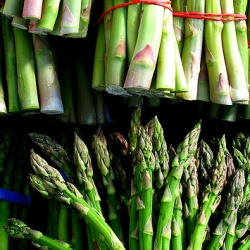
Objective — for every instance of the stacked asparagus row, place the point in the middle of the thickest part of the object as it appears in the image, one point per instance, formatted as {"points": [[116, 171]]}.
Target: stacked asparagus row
{"points": [[174, 50], [62, 18], [38, 79], [193, 196]]}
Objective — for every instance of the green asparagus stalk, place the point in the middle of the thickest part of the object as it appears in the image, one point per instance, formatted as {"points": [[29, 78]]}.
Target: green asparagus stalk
{"points": [[212, 199], [219, 88], [192, 49], [166, 71], [190, 189], [236, 73], [49, 183], [116, 52], [49, 15], [70, 17], [142, 66], [84, 172], [245, 243], [184, 151], [25, 63], [242, 228], [13, 8], [178, 22], [133, 22], [143, 178], [133, 219], [47, 77], [225, 229], [98, 76], [19, 229], [84, 20], [177, 227], [240, 7], [104, 164]]}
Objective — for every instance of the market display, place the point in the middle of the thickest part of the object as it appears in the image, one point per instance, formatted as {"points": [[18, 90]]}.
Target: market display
{"points": [[125, 125]]}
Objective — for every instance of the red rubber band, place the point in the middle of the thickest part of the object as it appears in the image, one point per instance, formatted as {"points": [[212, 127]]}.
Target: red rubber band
{"points": [[165, 4], [248, 44], [2, 3], [211, 16]]}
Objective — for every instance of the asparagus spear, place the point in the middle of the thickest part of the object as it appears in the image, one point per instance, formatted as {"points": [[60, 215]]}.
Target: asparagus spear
{"points": [[145, 164], [19, 229], [32, 9], [225, 229], [56, 153], [49, 15], [217, 73], [212, 198], [141, 68], [190, 191], [177, 227], [25, 61], [184, 151], [50, 183], [236, 73], [104, 164], [178, 22], [47, 76]]}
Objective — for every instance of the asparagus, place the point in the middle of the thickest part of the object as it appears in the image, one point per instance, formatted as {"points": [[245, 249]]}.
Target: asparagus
{"points": [[116, 53], [49, 15], [184, 151], [177, 227], [142, 66], [236, 73], [133, 22], [178, 22], [212, 199], [104, 164], [190, 190], [56, 153], [70, 17], [13, 8], [19, 229], [225, 229], [47, 76], [50, 183], [145, 164], [25, 61], [192, 49], [84, 172], [245, 243], [240, 7], [84, 20], [156, 133], [166, 71], [219, 87]]}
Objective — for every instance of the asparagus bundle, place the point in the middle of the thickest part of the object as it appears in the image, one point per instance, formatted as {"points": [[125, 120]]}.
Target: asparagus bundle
{"points": [[63, 18]]}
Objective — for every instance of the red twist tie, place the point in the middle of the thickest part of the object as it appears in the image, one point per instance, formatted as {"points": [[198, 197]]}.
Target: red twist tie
{"points": [[211, 16], [164, 4]]}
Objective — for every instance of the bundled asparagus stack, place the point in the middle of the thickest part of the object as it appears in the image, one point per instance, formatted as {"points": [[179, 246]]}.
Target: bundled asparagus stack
{"points": [[62, 18], [188, 56]]}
